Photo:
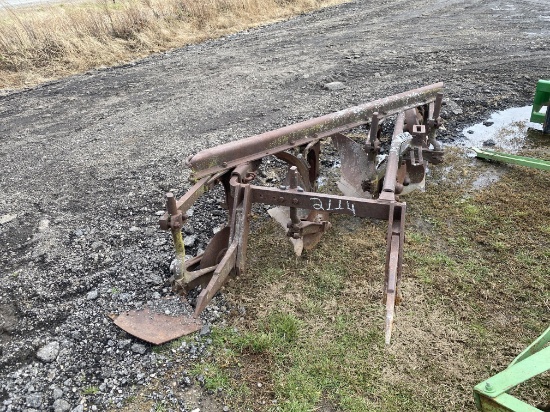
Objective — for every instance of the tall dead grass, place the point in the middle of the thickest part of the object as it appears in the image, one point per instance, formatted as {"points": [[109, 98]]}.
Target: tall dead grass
{"points": [[50, 41]]}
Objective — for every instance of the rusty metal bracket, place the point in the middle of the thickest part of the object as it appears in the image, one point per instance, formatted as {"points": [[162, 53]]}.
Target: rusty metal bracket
{"points": [[370, 187]]}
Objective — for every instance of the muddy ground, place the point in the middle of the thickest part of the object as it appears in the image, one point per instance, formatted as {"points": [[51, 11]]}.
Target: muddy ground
{"points": [[85, 162]]}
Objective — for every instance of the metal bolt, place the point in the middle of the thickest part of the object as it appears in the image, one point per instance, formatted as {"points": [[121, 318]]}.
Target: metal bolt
{"points": [[489, 387], [293, 177], [282, 187], [224, 164], [300, 189]]}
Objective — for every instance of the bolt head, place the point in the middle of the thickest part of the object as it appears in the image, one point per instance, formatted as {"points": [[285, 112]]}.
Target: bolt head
{"points": [[489, 387]]}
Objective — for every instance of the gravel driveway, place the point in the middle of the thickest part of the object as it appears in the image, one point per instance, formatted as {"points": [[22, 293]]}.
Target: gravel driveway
{"points": [[85, 162]]}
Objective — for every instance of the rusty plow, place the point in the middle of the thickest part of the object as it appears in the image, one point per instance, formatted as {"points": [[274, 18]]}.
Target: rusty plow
{"points": [[370, 186]]}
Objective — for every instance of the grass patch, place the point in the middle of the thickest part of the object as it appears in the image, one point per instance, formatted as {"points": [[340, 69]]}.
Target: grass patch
{"points": [[90, 390], [214, 377], [475, 294], [49, 41]]}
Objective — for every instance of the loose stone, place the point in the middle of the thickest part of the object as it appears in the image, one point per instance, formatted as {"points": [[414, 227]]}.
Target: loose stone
{"points": [[139, 348], [334, 86], [49, 352], [61, 405]]}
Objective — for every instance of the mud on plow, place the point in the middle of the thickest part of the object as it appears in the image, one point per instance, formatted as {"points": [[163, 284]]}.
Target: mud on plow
{"points": [[370, 189]]}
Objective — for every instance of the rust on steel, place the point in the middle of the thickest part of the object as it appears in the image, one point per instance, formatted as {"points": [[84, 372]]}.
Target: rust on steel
{"points": [[370, 189], [255, 147], [344, 205], [156, 328]]}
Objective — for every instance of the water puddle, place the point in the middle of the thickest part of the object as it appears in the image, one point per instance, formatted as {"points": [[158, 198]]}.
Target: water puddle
{"points": [[508, 130]]}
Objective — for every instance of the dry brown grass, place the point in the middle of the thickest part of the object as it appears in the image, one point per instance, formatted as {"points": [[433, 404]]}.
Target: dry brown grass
{"points": [[46, 42]]}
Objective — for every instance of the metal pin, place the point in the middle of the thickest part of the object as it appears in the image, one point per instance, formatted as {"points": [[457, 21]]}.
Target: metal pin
{"points": [[171, 203], [293, 177], [374, 127]]}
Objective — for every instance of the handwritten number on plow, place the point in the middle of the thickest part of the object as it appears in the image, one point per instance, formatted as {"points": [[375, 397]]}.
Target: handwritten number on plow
{"points": [[329, 206]]}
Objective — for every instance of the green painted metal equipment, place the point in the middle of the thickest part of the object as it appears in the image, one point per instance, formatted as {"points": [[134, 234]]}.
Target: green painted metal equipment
{"points": [[514, 159], [542, 100], [491, 395]]}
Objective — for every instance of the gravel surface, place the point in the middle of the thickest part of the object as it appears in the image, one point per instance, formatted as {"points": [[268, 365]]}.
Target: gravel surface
{"points": [[85, 162]]}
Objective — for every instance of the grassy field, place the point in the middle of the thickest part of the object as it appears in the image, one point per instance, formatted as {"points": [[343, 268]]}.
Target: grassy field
{"points": [[475, 294], [54, 40]]}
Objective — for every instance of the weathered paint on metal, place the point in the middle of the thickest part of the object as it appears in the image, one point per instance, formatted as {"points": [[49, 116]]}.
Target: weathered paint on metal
{"points": [[224, 156], [513, 159], [503, 403], [534, 347], [220, 276], [343, 205], [540, 101], [491, 394]]}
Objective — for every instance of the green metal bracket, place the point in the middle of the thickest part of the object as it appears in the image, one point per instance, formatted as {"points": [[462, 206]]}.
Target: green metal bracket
{"points": [[534, 347], [491, 395], [507, 158], [542, 100]]}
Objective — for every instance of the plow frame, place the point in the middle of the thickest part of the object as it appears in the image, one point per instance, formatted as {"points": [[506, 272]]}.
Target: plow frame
{"points": [[234, 165]]}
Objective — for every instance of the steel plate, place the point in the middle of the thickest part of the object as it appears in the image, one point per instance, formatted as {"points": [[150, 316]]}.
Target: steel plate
{"points": [[157, 328]]}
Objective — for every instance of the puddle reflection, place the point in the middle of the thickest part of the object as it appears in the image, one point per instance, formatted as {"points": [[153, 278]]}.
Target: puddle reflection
{"points": [[508, 130]]}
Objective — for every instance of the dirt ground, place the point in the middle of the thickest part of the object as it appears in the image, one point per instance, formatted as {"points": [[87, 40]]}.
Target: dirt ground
{"points": [[85, 161]]}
